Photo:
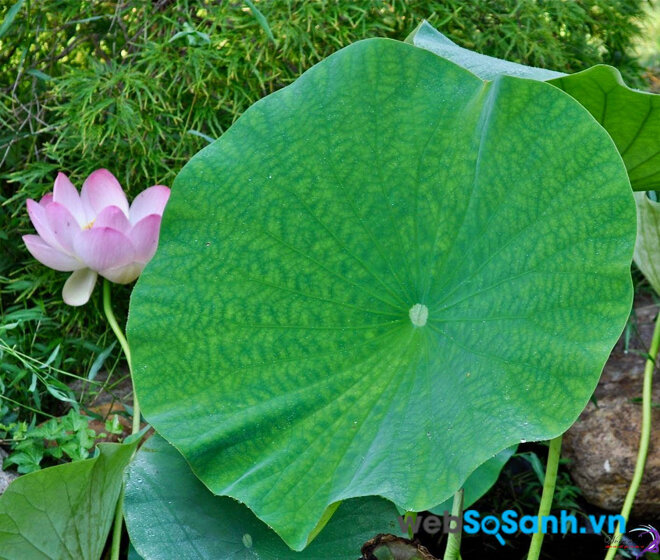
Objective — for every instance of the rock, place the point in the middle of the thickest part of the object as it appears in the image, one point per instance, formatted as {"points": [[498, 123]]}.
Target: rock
{"points": [[603, 443], [5, 476], [390, 547]]}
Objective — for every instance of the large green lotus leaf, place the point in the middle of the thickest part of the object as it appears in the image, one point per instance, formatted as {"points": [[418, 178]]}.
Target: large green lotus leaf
{"points": [[63, 512], [378, 278], [631, 117], [647, 245], [170, 514], [480, 481]]}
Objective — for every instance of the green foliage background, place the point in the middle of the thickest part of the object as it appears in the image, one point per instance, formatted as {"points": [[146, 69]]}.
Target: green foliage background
{"points": [[140, 86]]}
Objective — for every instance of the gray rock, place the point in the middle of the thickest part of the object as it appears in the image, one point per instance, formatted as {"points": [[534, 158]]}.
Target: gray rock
{"points": [[5, 476], [603, 443]]}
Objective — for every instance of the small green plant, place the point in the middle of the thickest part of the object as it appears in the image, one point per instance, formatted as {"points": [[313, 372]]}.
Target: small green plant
{"points": [[54, 441]]}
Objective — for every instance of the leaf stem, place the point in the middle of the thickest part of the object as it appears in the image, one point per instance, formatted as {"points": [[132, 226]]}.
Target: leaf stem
{"points": [[452, 551], [112, 321], [546, 497], [644, 438]]}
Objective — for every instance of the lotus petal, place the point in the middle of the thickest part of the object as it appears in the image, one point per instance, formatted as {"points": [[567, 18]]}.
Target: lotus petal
{"points": [[65, 193], [149, 201], [123, 274], [113, 217], [79, 287], [102, 189], [144, 237], [51, 257], [46, 199], [104, 248], [39, 220], [63, 225]]}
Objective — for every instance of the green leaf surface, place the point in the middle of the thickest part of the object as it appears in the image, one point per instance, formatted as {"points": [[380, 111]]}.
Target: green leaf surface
{"points": [[377, 279], [63, 512], [647, 245], [132, 553], [170, 514], [480, 481], [631, 117]]}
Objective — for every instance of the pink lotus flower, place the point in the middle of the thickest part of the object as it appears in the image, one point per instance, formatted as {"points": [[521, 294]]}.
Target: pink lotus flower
{"points": [[95, 232]]}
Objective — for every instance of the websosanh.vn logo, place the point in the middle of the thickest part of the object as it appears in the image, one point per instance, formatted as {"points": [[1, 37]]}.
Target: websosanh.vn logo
{"points": [[510, 522]]}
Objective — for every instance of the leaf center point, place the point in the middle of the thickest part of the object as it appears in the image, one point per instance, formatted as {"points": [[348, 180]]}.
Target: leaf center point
{"points": [[419, 313]]}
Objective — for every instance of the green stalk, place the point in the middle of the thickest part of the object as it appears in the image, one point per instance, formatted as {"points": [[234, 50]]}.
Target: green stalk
{"points": [[107, 308], [112, 321], [452, 552], [644, 439], [546, 497], [117, 526]]}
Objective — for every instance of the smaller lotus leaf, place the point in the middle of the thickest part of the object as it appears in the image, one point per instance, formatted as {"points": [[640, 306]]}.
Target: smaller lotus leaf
{"points": [[647, 245], [170, 514], [63, 512]]}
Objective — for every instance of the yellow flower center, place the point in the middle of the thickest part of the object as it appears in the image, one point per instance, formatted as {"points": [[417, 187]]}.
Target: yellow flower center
{"points": [[89, 225]]}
